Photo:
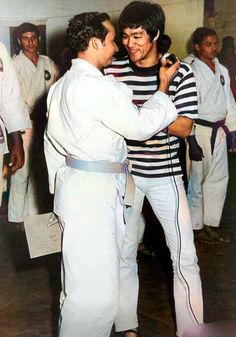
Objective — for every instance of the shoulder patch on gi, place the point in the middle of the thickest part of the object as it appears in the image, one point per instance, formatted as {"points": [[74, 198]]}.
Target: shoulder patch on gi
{"points": [[47, 75]]}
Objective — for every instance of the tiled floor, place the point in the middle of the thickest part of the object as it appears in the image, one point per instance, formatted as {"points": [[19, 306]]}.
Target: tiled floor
{"points": [[29, 289]]}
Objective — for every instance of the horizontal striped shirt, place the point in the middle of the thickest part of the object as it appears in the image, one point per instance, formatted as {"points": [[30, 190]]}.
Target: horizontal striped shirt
{"points": [[158, 156]]}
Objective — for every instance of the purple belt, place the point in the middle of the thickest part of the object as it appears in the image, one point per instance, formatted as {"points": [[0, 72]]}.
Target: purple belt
{"points": [[215, 126]]}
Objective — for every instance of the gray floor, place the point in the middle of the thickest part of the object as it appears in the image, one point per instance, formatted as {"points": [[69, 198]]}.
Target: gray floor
{"points": [[30, 288]]}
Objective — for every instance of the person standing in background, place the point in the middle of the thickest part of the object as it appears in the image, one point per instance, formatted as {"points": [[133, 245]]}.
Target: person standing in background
{"points": [[35, 73], [14, 117], [216, 122], [227, 57]]}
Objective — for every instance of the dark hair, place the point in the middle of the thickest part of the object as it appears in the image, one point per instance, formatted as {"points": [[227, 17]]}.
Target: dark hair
{"points": [[228, 41], [147, 15], [83, 27], [200, 33], [27, 27], [163, 44]]}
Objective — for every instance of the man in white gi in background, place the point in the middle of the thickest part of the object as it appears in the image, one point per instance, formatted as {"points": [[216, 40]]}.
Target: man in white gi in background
{"points": [[217, 119], [13, 115], [88, 116], [35, 73]]}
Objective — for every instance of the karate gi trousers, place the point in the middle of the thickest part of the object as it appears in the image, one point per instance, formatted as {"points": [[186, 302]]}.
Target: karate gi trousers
{"points": [[22, 198], [92, 216], [208, 179]]}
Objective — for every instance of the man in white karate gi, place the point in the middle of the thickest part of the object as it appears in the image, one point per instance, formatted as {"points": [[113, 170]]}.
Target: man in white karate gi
{"points": [[13, 115], [36, 73], [89, 115], [216, 122]]}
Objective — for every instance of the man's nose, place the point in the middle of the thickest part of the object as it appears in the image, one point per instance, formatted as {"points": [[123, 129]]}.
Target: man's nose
{"points": [[130, 42]]}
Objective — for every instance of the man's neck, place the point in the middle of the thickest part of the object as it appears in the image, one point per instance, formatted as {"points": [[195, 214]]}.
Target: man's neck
{"points": [[146, 63], [209, 62], [33, 57]]}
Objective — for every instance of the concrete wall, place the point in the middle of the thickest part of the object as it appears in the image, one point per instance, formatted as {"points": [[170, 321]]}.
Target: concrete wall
{"points": [[56, 13]]}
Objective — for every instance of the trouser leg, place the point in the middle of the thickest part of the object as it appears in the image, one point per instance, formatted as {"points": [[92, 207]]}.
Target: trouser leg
{"points": [[91, 267], [215, 185], [19, 184], [141, 227], [198, 175], [207, 178], [129, 283], [173, 214], [195, 195]]}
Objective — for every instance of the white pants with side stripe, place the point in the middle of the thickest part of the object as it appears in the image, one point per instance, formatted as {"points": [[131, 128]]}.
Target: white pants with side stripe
{"points": [[168, 200]]}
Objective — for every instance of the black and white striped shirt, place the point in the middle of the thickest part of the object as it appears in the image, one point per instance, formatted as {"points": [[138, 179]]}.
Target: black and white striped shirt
{"points": [[157, 156]]}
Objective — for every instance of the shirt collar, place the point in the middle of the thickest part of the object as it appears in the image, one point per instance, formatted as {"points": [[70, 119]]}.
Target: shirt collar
{"points": [[78, 64]]}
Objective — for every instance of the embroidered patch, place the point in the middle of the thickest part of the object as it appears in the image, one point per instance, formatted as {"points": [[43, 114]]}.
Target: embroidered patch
{"points": [[47, 75], [1, 65]]}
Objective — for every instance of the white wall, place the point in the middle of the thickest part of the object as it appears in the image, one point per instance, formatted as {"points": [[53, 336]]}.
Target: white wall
{"points": [[224, 20], [55, 13], [182, 16]]}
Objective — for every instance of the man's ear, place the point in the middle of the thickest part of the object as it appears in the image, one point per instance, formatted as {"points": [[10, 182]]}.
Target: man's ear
{"points": [[96, 43], [197, 47], [18, 41]]}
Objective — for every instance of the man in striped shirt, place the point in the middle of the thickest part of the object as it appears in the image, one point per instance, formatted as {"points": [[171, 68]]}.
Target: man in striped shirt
{"points": [[156, 169]]}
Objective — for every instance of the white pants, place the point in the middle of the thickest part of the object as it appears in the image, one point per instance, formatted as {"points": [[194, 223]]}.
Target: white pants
{"points": [[141, 227], [92, 238], [208, 180], [168, 200], [22, 198]]}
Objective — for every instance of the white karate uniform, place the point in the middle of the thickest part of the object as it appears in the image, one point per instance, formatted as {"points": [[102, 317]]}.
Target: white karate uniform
{"points": [[34, 83], [89, 114], [13, 114], [209, 178]]}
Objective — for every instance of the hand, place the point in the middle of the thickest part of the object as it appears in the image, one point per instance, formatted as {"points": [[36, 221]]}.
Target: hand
{"points": [[166, 74], [195, 150], [17, 158]]}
